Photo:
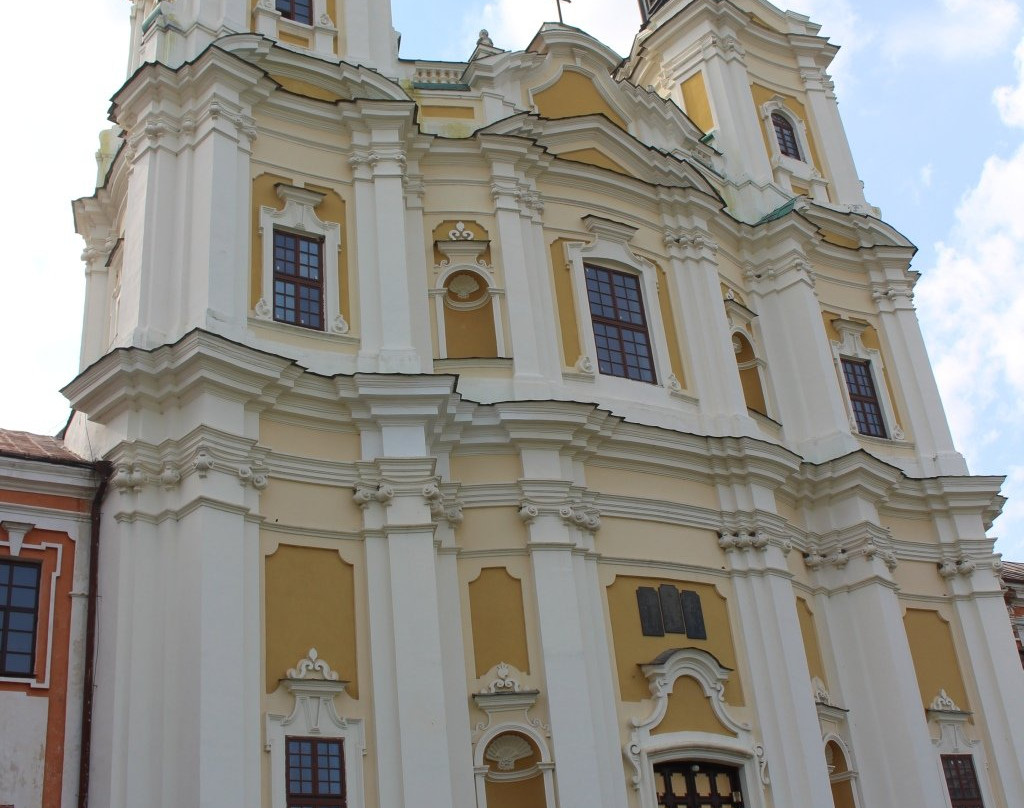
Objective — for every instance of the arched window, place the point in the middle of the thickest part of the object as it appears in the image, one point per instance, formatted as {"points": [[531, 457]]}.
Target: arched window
{"points": [[786, 136]]}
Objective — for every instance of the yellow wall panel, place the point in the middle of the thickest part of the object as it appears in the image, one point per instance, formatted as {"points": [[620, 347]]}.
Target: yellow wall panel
{"points": [[633, 649], [498, 620], [320, 507], [809, 633], [934, 653], [696, 102], [310, 603], [321, 444], [567, 322], [593, 157]]}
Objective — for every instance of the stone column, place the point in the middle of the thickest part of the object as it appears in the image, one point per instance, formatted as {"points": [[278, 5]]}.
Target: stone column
{"points": [[811, 408], [995, 665], [783, 701], [379, 159], [830, 135], [874, 673], [694, 273], [912, 373], [560, 525]]}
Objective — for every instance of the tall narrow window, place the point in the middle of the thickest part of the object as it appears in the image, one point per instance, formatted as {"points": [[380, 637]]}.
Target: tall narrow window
{"points": [[962, 781], [867, 412], [620, 325], [298, 280], [697, 784], [786, 136], [298, 10], [19, 606], [316, 773]]}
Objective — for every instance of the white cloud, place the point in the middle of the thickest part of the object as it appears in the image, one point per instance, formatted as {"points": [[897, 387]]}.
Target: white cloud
{"points": [[956, 29], [972, 308], [1010, 100], [512, 23], [926, 174]]}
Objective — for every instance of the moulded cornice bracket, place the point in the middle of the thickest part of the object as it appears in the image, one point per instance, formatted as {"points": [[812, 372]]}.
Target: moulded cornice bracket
{"points": [[609, 229], [16, 532], [300, 196]]}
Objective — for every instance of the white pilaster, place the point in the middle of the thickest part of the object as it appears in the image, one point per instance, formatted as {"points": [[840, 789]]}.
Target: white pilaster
{"points": [[811, 409], [694, 274], [782, 694], [925, 416], [874, 677], [575, 697]]}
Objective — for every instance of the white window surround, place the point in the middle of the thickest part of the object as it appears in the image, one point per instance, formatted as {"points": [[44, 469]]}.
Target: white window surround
{"points": [[610, 249], [462, 256], [787, 168], [267, 20], [851, 346], [851, 771], [484, 772], [315, 687], [299, 216], [16, 532], [645, 749], [945, 717]]}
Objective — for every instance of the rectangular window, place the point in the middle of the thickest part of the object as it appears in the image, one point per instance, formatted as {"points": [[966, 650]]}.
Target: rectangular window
{"points": [[298, 10], [19, 608], [620, 326], [867, 412], [316, 773], [962, 781], [298, 280]]}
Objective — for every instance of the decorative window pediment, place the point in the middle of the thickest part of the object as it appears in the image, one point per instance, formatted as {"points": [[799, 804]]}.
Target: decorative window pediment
{"points": [[298, 218]]}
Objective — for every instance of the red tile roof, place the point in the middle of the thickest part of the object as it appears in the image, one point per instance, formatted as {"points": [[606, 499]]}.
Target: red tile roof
{"points": [[36, 447], [1013, 571]]}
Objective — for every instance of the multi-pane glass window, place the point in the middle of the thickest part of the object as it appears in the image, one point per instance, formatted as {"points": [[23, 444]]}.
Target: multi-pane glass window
{"points": [[785, 135], [697, 784], [620, 327], [867, 412], [298, 10], [962, 781], [316, 773], [298, 280], [19, 606]]}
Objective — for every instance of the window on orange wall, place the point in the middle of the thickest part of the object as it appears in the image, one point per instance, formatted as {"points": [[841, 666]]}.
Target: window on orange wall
{"points": [[786, 136], [315, 773], [620, 324], [19, 613], [962, 781], [298, 10], [298, 280], [860, 384]]}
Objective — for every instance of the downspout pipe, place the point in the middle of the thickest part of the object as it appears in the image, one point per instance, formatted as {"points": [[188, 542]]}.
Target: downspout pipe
{"points": [[104, 469]]}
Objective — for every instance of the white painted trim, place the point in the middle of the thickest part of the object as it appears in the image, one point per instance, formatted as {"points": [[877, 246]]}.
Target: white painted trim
{"points": [[315, 720], [852, 347], [298, 216], [609, 251], [494, 295], [36, 682], [481, 769]]}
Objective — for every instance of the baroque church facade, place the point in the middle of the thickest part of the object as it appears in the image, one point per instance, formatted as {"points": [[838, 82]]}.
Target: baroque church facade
{"points": [[546, 429]]}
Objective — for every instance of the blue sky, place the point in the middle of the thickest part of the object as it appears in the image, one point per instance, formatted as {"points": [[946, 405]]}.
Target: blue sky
{"points": [[931, 92]]}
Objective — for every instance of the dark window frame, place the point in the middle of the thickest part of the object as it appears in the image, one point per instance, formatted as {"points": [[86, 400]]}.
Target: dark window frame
{"points": [[296, 10], [314, 799], [962, 781], [8, 611], [619, 321], [288, 274], [689, 769], [863, 394], [785, 136]]}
